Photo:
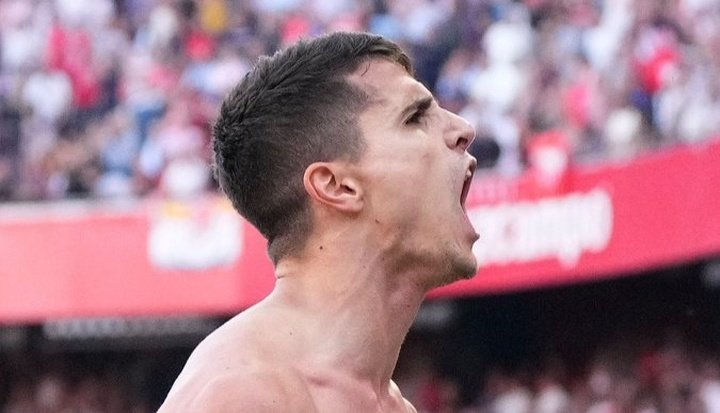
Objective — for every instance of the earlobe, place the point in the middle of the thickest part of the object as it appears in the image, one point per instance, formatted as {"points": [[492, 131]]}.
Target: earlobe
{"points": [[331, 185]]}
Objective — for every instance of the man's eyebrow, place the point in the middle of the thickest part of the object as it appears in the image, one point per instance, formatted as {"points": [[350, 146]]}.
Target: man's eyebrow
{"points": [[420, 104]]}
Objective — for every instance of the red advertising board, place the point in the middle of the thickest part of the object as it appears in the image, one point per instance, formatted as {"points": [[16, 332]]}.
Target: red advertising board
{"points": [[156, 257], [148, 258]]}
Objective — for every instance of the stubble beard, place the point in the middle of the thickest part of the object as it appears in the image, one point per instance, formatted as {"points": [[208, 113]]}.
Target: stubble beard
{"points": [[456, 266], [440, 263]]}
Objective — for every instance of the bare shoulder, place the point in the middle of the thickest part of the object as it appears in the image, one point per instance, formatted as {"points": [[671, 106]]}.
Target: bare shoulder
{"points": [[395, 392], [251, 391], [239, 368]]}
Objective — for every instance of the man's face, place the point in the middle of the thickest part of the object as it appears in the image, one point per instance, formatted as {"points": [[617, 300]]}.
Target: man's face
{"points": [[417, 174]]}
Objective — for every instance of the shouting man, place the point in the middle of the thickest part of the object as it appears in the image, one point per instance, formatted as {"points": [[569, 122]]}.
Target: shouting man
{"points": [[357, 178]]}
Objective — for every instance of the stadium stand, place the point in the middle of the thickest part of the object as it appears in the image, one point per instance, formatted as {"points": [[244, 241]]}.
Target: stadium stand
{"points": [[597, 119]]}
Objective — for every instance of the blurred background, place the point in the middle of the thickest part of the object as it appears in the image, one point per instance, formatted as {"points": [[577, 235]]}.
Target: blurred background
{"points": [[597, 198]]}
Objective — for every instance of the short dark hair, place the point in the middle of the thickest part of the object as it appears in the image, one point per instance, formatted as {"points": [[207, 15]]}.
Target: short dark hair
{"points": [[294, 108]]}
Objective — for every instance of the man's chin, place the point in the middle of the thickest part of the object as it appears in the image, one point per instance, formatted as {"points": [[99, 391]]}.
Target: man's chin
{"points": [[467, 269], [460, 269]]}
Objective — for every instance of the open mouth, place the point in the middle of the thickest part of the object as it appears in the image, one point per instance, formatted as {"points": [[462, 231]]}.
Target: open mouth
{"points": [[466, 188]]}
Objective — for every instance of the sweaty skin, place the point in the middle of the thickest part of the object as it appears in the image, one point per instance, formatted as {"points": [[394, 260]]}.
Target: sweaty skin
{"points": [[386, 229]]}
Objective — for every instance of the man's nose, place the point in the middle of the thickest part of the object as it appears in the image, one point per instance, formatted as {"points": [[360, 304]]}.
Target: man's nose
{"points": [[460, 133]]}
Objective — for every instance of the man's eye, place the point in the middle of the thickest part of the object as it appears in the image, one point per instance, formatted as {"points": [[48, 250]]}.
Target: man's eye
{"points": [[415, 118]]}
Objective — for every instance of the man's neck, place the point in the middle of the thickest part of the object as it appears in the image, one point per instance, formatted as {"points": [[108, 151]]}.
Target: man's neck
{"points": [[356, 309]]}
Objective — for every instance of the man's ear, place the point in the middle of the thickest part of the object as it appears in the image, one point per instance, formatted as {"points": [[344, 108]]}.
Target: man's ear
{"points": [[332, 184]]}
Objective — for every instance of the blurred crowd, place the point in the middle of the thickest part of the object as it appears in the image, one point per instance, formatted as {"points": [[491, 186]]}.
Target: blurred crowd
{"points": [[625, 377], [72, 383], [113, 98]]}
